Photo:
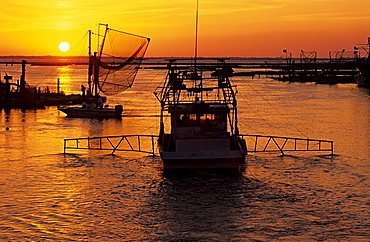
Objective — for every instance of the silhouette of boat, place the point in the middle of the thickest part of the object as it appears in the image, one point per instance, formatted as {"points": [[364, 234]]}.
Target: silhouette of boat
{"points": [[203, 127], [363, 65], [91, 111], [111, 71], [20, 94]]}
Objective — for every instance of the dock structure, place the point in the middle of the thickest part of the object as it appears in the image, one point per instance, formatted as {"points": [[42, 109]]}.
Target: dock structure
{"points": [[332, 70], [321, 71], [18, 94]]}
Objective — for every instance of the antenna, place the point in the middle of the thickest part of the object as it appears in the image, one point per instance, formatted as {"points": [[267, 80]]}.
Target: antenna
{"points": [[196, 36]]}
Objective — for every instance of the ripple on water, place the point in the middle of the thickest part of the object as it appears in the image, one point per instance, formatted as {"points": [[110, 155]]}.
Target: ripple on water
{"points": [[104, 197]]}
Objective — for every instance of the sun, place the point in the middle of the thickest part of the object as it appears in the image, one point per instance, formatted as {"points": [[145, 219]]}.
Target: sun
{"points": [[64, 46]]}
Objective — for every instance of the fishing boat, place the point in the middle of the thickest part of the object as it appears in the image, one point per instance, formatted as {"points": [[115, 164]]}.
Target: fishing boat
{"points": [[19, 95], [91, 111], [202, 132], [363, 65], [203, 127], [112, 70]]}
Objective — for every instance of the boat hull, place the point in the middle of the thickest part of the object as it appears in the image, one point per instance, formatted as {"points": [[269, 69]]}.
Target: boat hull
{"points": [[202, 153], [173, 161], [363, 79], [75, 112]]}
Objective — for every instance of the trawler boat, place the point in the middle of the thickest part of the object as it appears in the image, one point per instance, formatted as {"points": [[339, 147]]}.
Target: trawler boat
{"points": [[111, 71], [363, 80], [363, 65], [202, 132]]}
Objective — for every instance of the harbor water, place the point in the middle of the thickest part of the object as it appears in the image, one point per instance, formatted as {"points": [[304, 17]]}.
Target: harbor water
{"points": [[86, 195]]}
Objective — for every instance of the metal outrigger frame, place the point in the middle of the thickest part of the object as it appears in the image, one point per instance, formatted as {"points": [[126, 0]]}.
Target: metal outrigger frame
{"points": [[134, 142], [147, 143], [282, 144]]}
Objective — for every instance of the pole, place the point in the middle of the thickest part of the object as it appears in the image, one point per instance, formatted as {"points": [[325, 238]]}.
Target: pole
{"points": [[23, 76], [104, 38], [196, 36], [96, 74], [153, 146], [90, 65]]}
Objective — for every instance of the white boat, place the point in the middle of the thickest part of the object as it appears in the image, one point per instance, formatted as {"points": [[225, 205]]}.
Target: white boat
{"points": [[111, 71], [91, 111], [202, 132]]}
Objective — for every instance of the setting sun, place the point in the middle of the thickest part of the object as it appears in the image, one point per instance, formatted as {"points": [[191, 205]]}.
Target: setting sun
{"points": [[64, 46], [226, 28]]}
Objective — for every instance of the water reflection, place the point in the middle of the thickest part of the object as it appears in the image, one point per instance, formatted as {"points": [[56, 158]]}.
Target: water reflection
{"points": [[198, 206], [65, 78], [93, 196]]}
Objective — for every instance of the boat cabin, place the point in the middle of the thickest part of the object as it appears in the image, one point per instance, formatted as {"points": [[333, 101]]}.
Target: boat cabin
{"points": [[199, 119]]}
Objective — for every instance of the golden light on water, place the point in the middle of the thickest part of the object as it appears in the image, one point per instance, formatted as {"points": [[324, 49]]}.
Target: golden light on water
{"points": [[65, 78]]}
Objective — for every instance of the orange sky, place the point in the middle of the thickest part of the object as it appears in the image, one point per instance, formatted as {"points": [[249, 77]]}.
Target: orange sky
{"points": [[226, 28]]}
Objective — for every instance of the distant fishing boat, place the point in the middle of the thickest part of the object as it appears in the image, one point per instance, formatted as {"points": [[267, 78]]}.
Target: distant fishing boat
{"points": [[112, 70], [19, 94], [363, 65], [91, 111]]}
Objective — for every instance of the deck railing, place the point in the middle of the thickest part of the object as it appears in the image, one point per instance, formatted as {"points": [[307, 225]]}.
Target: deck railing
{"points": [[136, 143], [268, 143]]}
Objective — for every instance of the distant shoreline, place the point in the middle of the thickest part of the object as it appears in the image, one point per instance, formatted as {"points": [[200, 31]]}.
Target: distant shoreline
{"points": [[152, 57], [83, 60]]}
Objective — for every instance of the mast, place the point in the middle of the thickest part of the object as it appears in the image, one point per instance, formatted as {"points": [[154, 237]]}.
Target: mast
{"points": [[96, 74], [90, 65], [196, 36], [196, 52], [104, 37]]}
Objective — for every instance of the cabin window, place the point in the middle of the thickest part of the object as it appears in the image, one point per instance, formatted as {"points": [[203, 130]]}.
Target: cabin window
{"points": [[213, 121], [209, 120]]}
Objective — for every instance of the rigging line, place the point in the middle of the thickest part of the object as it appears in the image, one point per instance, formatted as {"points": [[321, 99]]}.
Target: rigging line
{"points": [[81, 41], [47, 77], [149, 82], [102, 123], [91, 132], [250, 172], [260, 116], [259, 94], [142, 164], [247, 125], [119, 31], [50, 74]]}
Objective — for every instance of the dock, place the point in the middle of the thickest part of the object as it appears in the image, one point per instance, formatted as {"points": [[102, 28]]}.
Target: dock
{"points": [[18, 94], [320, 71]]}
